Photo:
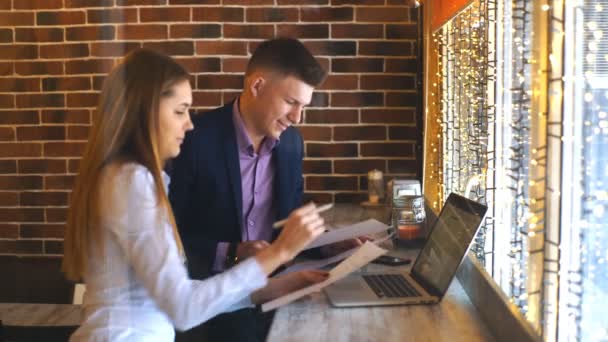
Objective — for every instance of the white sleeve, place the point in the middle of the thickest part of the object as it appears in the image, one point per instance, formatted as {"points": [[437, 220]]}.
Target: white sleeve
{"points": [[146, 238]]}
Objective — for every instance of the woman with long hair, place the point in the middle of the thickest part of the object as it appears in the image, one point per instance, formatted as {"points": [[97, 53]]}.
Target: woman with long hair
{"points": [[121, 237]]}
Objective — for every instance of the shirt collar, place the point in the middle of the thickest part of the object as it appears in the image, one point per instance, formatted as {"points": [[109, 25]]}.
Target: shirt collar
{"points": [[243, 142]]}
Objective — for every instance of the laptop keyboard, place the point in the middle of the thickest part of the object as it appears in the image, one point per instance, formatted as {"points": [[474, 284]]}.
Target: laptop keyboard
{"points": [[390, 285]]}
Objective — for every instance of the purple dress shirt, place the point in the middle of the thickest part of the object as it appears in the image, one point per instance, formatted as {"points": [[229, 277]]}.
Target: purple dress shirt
{"points": [[257, 187]]}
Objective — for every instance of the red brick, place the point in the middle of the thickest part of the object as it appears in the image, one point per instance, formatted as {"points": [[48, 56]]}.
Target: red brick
{"points": [[18, 51], [9, 231], [70, 116], [30, 133], [42, 230], [409, 65], [112, 15], [173, 48], [207, 98], [229, 96], [59, 182], [140, 2], [76, 100], [303, 2], [172, 14], [357, 2], [46, 198], [402, 31], [19, 117], [269, 14], [326, 14], [8, 166], [46, 34], [60, 18], [6, 68], [141, 32], [357, 31], [62, 51], [403, 133], [220, 82], [66, 83], [39, 68], [331, 183], [7, 134], [303, 31], [14, 18], [78, 132], [357, 65], [19, 84], [5, 4], [90, 66], [359, 133], [331, 150], [73, 165], [7, 101], [88, 3], [248, 2], [91, 33], [388, 116], [40, 100], [315, 133], [401, 99], [20, 183], [248, 31], [350, 197], [33, 166], [53, 247], [200, 64], [331, 116], [316, 166], [98, 82], [357, 99], [9, 199], [221, 48], [20, 246], [383, 48], [195, 31], [217, 14], [19, 149], [403, 166], [56, 214], [375, 82], [63, 149], [331, 48], [382, 14], [359, 165], [6, 35], [234, 64], [318, 197], [340, 82], [387, 149]]}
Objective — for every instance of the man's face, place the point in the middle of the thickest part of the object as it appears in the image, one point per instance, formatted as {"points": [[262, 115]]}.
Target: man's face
{"points": [[278, 104]]}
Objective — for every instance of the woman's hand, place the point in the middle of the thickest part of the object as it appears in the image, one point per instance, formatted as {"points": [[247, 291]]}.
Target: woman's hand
{"points": [[302, 227], [288, 283]]}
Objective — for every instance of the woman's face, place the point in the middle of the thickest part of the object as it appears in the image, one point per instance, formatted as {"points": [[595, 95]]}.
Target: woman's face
{"points": [[174, 119]]}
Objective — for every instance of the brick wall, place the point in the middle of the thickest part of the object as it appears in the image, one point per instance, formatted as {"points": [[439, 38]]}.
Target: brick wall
{"points": [[54, 54]]}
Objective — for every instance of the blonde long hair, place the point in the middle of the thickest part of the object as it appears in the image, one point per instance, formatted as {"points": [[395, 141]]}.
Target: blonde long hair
{"points": [[125, 128]]}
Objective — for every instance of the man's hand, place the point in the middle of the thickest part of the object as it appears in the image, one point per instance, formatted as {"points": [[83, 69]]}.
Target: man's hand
{"points": [[249, 248], [342, 246], [288, 283]]}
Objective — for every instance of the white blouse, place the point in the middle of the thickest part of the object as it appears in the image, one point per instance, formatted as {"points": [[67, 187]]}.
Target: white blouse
{"points": [[137, 287]]}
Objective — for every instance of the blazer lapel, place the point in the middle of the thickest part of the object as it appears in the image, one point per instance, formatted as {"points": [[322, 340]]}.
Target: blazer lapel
{"points": [[232, 163], [281, 183]]}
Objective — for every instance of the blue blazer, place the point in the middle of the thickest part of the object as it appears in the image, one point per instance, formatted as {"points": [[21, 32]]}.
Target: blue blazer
{"points": [[205, 189]]}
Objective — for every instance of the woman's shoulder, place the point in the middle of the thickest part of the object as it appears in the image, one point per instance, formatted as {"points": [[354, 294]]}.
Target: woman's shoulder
{"points": [[127, 179]]}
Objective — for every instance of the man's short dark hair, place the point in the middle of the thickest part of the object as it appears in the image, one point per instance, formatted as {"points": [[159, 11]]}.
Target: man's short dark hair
{"points": [[288, 57]]}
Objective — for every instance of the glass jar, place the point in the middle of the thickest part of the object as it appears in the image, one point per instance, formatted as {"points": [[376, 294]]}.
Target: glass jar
{"points": [[375, 186], [408, 218]]}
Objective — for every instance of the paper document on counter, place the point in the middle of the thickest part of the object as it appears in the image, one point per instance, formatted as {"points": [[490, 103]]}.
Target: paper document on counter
{"points": [[364, 254], [320, 263], [363, 228]]}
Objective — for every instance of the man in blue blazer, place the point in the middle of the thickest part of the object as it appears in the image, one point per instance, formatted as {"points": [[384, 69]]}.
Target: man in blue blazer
{"points": [[240, 170]]}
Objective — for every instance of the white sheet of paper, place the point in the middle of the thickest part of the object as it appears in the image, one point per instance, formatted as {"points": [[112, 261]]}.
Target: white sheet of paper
{"points": [[362, 228], [320, 263], [364, 254]]}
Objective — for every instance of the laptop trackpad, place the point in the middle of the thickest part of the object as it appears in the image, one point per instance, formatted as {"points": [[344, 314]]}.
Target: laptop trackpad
{"points": [[352, 288]]}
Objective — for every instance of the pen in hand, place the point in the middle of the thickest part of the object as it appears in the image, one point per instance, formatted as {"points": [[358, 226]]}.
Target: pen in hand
{"points": [[319, 210]]}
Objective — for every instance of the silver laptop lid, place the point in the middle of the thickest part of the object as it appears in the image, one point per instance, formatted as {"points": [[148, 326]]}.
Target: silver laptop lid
{"points": [[448, 243]]}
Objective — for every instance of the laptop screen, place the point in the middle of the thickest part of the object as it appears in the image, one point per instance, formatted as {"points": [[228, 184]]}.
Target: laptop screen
{"points": [[448, 242]]}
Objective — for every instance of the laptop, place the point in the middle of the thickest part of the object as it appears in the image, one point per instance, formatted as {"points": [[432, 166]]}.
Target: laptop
{"points": [[431, 274]]}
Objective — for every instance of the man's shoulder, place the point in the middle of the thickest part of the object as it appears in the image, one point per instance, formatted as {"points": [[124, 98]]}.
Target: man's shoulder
{"points": [[212, 118]]}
